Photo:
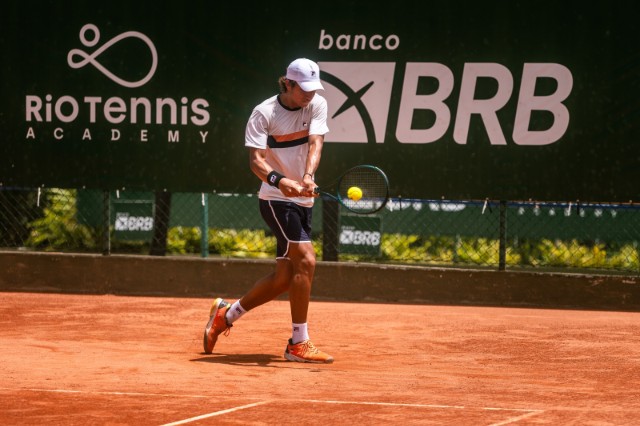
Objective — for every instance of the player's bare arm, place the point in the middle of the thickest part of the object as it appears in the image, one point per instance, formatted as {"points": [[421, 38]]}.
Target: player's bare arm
{"points": [[313, 160], [259, 166]]}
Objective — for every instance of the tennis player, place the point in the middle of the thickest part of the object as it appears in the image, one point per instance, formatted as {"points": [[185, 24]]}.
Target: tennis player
{"points": [[284, 134]]}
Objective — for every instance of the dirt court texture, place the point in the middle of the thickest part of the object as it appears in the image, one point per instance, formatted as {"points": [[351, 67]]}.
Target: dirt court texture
{"points": [[74, 359]]}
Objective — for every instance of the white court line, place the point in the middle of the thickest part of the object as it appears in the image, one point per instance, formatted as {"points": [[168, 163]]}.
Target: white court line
{"points": [[527, 412], [173, 395], [518, 418], [382, 404], [216, 413]]}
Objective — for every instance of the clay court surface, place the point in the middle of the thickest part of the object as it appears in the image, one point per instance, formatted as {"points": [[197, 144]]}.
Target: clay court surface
{"points": [[115, 360]]}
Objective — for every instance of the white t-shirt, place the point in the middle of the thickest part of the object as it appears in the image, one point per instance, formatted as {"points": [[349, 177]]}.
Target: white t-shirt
{"points": [[284, 133]]}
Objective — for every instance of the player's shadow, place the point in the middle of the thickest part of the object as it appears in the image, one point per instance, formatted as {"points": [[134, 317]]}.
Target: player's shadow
{"points": [[247, 360]]}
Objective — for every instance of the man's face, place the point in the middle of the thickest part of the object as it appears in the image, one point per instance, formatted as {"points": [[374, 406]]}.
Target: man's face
{"points": [[300, 97]]}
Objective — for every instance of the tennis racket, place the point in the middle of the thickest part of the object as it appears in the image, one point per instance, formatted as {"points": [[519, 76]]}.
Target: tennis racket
{"points": [[369, 189]]}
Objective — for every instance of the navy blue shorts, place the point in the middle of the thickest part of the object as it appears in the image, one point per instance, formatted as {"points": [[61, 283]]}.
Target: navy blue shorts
{"points": [[289, 222]]}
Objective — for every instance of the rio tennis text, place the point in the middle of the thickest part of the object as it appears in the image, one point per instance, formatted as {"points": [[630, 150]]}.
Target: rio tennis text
{"points": [[152, 116]]}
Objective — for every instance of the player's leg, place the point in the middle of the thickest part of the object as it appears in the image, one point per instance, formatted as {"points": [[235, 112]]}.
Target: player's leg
{"points": [[269, 287], [291, 224], [223, 315], [303, 264], [283, 225]]}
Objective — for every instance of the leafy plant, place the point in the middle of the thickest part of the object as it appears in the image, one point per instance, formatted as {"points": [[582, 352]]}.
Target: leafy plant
{"points": [[58, 229]]}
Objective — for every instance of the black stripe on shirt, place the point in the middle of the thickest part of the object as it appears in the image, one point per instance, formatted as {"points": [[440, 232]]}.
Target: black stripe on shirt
{"points": [[271, 142]]}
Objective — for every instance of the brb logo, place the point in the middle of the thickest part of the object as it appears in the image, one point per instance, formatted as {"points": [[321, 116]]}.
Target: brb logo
{"points": [[359, 97]]}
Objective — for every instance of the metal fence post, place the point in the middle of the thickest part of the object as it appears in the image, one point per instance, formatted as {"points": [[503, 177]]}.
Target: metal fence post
{"points": [[162, 214], [204, 228], [106, 221], [502, 250], [330, 238]]}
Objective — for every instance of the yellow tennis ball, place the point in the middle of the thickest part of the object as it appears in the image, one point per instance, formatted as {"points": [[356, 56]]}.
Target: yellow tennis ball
{"points": [[354, 193]]}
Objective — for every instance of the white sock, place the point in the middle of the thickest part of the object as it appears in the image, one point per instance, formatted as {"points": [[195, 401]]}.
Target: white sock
{"points": [[300, 333], [235, 312]]}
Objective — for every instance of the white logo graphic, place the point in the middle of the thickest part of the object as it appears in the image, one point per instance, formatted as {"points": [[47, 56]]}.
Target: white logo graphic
{"points": [[360, 238], [359, 96], [91, 58], [124, 222]]}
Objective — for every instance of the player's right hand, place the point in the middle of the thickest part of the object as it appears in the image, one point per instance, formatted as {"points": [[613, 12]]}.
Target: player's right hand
{"points": [[292, 188]]}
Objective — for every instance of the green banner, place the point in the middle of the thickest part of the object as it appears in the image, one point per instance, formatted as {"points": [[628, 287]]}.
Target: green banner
{"points": [[360, 235], [461, 100], [133, 219]]}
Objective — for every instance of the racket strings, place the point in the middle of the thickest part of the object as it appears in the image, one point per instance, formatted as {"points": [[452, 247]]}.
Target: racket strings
{"points": [[372, 183]]}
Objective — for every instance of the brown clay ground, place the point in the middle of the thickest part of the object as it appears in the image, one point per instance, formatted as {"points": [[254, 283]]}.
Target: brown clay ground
{"points": [[115, 360]]}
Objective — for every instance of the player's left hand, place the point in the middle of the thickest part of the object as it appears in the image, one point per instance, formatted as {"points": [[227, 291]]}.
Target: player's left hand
{"points": [[309, 187]]}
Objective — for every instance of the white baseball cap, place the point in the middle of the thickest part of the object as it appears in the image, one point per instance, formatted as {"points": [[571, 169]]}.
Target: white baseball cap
{"points": [[306, 73]]}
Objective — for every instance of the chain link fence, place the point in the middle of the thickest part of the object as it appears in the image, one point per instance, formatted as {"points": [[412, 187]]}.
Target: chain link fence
{"points": [[568, 237]]}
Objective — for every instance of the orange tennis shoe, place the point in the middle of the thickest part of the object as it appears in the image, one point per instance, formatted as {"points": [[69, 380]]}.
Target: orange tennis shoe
{"points": [[217, 324], [306, 352]]}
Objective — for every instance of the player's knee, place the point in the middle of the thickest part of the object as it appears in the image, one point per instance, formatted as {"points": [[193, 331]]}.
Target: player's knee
{"points": [[308, 261], [303, 260]]}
